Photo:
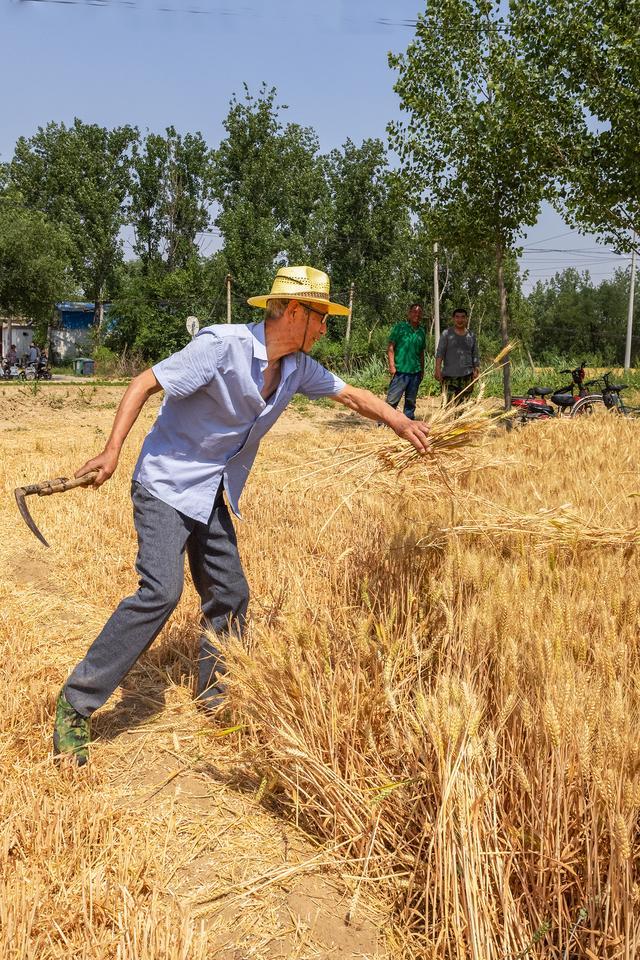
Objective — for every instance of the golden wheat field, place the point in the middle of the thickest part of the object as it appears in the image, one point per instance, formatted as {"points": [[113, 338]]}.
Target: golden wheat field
{"points": [[434, 750]]}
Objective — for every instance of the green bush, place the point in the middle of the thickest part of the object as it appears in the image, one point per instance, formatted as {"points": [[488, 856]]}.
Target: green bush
{"points": [[106, 361]]}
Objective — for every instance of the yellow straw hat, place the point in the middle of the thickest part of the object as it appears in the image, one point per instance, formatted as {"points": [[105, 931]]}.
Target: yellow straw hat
{"points": [[304, 284]]}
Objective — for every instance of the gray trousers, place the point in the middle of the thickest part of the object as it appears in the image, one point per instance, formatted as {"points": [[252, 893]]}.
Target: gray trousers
{"points": [[164, 535]]}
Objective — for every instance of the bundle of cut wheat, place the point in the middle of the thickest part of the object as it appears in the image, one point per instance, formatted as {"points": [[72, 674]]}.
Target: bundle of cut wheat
{"points": [[461, 443], [561, 526], [460, 438]]}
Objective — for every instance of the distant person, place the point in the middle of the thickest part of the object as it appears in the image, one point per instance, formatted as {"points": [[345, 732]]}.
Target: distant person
{"points": [[407, 341], [12, 355], [34, 353], [457, 358]]}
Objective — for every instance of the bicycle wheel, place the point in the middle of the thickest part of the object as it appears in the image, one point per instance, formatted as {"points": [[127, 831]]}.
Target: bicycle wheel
{"points": [[587, 405]]}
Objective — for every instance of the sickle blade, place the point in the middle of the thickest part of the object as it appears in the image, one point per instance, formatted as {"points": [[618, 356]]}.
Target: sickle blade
{"points": [[26, 516]]}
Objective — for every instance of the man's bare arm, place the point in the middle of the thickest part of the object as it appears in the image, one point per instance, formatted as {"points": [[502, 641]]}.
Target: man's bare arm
{"points": [[391, 356], [134, 399], [368, 405]]}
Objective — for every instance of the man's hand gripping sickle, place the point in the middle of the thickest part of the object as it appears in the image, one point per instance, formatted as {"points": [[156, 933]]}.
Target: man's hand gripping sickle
{"points": [[103, 466], [45, 489]]}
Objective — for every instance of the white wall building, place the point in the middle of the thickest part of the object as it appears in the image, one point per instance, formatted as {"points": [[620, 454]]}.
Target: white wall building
{"points": [[20, 332]]}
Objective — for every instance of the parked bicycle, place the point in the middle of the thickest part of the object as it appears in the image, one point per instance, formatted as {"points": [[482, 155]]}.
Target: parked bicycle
{"points": [[608, 396]]}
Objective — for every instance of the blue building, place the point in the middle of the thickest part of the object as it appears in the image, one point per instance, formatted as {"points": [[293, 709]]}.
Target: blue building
{"points": [[71, 330]]}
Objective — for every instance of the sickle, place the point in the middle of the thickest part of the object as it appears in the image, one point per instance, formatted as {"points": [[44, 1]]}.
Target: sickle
{"points": [[44, 489]]}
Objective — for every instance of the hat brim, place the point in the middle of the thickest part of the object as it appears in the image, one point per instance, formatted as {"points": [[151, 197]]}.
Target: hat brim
{"points": [[333, 309]]}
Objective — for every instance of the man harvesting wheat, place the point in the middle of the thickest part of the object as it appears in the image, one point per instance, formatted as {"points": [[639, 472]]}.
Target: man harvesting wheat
{"points": [[223, 392]]}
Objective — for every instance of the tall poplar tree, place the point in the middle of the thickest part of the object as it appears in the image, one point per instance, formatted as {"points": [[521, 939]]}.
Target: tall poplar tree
{"points": [[170, 195], [271, 191], [474, 146], [590, 52]]}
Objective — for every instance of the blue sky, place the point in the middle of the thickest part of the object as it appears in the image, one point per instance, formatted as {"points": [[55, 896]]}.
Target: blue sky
{"points": [[158, 62]]}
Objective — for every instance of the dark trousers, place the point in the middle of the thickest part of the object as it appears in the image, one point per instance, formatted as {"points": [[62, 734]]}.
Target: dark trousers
{"points": [[164, 536], [457, 389], [407, 383]]}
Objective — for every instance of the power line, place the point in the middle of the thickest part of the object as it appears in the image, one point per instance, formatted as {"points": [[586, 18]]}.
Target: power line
{"points": [[586, 251], [547, 239], [131, 5], [242, 12], [542, 264], [385, 22]]}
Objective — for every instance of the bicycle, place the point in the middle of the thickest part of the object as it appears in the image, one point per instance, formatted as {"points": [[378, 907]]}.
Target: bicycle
{"points": [[609, 397]]}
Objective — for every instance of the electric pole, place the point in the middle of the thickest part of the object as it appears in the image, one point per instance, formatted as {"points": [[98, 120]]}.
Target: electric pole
{"points": [[347, 335], [632, 290], [436, 296], [228, 282]]}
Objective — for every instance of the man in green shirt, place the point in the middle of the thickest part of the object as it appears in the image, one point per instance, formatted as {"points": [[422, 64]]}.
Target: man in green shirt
{"points": [[406, 360]]}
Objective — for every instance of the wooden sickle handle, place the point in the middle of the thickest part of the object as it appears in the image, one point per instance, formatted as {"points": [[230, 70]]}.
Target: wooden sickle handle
{"points": [[61, 484]]}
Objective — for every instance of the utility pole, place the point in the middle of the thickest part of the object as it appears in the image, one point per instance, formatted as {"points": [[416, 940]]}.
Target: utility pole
{"points": [[347, 335], [436, 296], [632, 291], [228, 282]]}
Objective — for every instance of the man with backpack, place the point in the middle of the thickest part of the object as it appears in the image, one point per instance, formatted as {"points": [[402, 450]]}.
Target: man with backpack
{"points": [[457, 358]]}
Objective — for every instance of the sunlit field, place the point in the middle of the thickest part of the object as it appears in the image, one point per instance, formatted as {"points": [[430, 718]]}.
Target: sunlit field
{"points": [[433, 749]]}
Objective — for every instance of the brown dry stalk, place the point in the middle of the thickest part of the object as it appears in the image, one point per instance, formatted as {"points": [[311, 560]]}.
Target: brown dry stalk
{"points": [[561, 526], [455, 716]]}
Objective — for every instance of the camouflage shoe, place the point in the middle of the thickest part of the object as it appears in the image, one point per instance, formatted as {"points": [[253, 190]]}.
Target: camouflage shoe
{"points": [[71, 732]]}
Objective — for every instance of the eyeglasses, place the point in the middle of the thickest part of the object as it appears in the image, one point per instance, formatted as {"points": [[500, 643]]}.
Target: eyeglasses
{"points": [[323, 316]]}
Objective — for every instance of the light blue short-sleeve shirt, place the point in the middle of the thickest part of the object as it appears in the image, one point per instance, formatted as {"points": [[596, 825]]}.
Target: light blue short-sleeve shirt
{"points": [[213, 417]]}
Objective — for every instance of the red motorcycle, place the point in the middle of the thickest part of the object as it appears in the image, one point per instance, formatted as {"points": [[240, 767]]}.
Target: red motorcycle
{"points": [[534, 405]]}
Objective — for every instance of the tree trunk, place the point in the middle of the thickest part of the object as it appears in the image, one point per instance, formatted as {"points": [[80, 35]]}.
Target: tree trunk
{"points": [[98, 320], [479, 331], [504, 324]]}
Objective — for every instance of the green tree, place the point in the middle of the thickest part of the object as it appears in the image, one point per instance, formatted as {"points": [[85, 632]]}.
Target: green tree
{"points": [[170, 195], [371, 237], [34, 263], [152, 306], [574, 319], [588, 49], [474, 148], [78, 177], [270, 187]]}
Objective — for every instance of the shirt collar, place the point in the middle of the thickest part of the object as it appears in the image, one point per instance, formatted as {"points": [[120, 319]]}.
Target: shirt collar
{"points": [[259, 344], [289, 361], [289, 364]]}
